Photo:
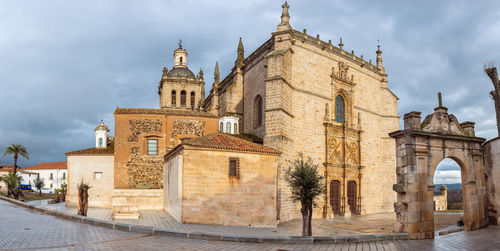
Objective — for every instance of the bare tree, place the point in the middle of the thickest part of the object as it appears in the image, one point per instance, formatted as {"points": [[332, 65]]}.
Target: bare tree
{"points": [[491, 71], [83, 198]]}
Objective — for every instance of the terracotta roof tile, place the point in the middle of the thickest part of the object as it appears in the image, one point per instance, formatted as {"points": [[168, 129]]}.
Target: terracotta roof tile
{"points": [[110, 150], [224, 141], [173, 112], [48, 165]]}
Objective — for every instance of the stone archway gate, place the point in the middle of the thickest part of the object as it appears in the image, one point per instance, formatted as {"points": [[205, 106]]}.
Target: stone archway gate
{"points": [[419, 149]]}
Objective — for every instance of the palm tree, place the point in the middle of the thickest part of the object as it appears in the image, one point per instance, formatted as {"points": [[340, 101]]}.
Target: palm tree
{"points": [[39, 184], [13, 181], [306, 184], [16, 150]]}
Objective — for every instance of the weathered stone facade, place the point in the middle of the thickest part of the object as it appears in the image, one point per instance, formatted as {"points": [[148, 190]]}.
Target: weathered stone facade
{"points": [[296, 75], [420, 148], [199, 188], [492, 165]]}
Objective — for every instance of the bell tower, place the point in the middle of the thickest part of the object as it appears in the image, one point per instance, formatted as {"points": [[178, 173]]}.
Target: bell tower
{"points": [[101, 135]]}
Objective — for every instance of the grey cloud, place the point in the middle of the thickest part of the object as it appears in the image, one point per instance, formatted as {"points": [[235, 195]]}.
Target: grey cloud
{"points": [[66, 65]]}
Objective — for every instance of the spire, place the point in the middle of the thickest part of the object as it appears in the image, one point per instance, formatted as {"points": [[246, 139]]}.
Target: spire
{"points": [[285, 18], [241, 55], [216, 73], [379, 59], [341, 44]]}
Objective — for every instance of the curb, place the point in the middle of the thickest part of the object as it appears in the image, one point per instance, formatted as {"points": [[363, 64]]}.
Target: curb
{"points": [[212, 236], [456, 230]]}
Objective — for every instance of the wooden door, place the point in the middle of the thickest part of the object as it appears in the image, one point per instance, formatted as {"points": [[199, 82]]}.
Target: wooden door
{"points": [[335, 196], [351, 196]]}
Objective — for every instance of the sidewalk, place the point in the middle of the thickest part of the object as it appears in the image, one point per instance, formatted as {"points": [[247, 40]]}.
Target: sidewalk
{"points": [[321, 227]]}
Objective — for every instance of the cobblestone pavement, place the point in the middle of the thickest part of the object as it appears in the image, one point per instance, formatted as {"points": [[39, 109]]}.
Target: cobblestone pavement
{"points": [[23, 229]]}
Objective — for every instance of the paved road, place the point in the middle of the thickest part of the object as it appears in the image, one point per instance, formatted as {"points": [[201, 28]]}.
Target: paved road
{"points": [[23, 229]]}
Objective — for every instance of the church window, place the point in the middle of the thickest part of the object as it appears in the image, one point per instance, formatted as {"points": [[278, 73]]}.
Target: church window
{"points": [[228, 127], [339, 109], [97, 175], [183, 98], [257, 112], [235, 128], [192, 99], [221, 127], [100, 142], [152, 147], [174, 98], [234, 167], [181, 60]]}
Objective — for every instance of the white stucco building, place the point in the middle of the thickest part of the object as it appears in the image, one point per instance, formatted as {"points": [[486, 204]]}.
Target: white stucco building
{"points": [[95, 167], [53, 174]]}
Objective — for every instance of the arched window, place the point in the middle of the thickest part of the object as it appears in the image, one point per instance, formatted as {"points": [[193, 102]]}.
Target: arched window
{"points": [[339, 109], [181, 60], [100, 142], [174, 98], [236, 128], [183, 98], [228, 127], [221, 127], [192, 99], [257, 111]]}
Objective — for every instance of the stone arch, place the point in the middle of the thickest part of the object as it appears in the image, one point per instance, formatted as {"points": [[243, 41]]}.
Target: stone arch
{"points": [[420, 147]]}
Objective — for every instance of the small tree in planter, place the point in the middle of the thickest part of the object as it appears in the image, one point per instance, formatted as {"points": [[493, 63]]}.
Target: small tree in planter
{"points": [[306, 184], [39, 184], [83, 198]]}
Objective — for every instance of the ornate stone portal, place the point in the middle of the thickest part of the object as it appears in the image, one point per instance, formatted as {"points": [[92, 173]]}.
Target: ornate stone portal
{"points": [[419, 149]]}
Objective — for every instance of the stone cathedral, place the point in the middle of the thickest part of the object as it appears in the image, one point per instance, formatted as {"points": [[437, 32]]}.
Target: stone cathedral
{"points": [[294, 94]]}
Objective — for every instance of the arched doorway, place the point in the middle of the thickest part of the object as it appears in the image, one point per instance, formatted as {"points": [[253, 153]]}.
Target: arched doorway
{"points": [[448, 196], [335, 196], [351, 196], [420, 147]]}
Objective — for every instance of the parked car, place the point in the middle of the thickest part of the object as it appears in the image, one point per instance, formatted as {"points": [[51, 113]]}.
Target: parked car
{"points": [[47, 190]]}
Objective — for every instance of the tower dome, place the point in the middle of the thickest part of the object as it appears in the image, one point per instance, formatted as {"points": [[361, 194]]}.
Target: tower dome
{"points": [[101, 135]]}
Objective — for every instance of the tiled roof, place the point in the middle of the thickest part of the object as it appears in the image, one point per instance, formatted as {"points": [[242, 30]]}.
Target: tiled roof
{"points": [[224, 141], [110, 150], [174, 112], [48, 165]]}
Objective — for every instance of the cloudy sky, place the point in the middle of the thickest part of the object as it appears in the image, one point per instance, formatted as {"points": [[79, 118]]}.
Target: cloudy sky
{"points": [[64, 65]]}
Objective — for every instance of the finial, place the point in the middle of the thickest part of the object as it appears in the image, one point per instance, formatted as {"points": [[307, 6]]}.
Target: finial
{"points": [[440, 100], [216, 72], [379, 57], [200, 74], [241, 54], [285, 16], [341, 44], [180, 44], [165, 70]]}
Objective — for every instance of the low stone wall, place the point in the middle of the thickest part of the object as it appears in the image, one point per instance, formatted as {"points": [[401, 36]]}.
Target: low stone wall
{"points": [[143, 199], [492, 164]]}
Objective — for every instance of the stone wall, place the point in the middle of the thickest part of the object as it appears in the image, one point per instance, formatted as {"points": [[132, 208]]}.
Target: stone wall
{"points": [[297, 87], [492, 164], [134, 168], [86, 168], [211, 196]]}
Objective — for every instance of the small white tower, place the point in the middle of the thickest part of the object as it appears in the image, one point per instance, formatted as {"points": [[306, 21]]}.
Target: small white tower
{"points": [[101, 135], [229, 125], [180, 57]]}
